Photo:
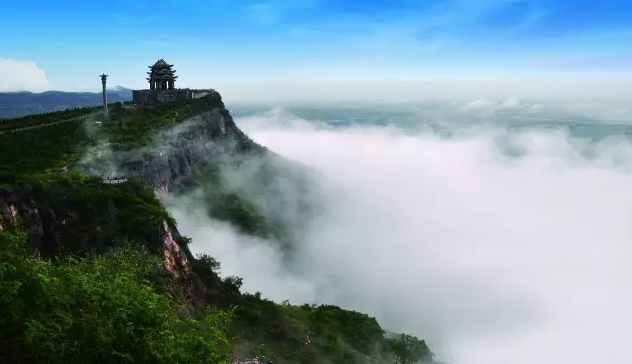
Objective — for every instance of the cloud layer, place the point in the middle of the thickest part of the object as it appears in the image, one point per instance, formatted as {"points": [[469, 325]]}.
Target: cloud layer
{"points": [[492, 258], [20, 75]]}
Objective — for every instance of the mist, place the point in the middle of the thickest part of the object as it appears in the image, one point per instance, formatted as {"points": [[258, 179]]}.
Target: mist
{"points": [[493, 258]]}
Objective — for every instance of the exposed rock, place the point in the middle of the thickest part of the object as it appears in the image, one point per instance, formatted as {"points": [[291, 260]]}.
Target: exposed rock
{"points": [[192, 147], [178, 152], [52, 220]]}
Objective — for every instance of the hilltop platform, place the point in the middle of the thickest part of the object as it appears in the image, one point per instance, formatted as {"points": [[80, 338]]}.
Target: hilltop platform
{"points": [[162, 79]]}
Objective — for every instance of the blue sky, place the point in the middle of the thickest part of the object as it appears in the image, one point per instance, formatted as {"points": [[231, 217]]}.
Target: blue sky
{"points": [[246, 42]]}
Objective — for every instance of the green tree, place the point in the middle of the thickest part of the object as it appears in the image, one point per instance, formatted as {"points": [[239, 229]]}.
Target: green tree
{"points": [[409, 349]]}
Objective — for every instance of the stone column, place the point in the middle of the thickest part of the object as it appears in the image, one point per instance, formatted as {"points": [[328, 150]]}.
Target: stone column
{"points": [[105, 94]]}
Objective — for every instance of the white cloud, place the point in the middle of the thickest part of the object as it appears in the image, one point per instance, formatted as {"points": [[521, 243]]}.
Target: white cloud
{"points": [[510, 103], [494, 260], [20, 75], [478, 104]]}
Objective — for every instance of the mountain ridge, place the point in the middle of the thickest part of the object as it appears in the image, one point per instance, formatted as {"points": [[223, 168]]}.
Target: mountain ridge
{"points": [[64, 207]]}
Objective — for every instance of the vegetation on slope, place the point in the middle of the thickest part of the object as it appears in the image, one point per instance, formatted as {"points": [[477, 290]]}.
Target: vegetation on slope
{"points": [[45, 118], [227, 204], [122, 303], [306, 334], [132, 128], [95, 215], [130, 313], [55, 147], [43, 149], [99, 309]]}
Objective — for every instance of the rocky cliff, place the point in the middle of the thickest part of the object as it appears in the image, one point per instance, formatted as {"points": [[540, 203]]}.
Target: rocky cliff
{"points": [[199, 153], [175, 153], [52, 208], [71, 213]]}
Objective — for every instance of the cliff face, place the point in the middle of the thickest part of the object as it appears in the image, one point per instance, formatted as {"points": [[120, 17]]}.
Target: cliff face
{"points": [[181, 154], [176, 153], [77, 215]]}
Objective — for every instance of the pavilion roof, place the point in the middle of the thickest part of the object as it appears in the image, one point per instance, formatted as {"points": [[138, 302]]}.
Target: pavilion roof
{"points": [[161, 64]]}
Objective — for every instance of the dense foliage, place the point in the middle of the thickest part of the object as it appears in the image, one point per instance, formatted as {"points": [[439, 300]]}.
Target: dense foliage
{"points": [[306, 334], [96, 215], [99, 309], [43, 149], [45, 118], [131, 128]]}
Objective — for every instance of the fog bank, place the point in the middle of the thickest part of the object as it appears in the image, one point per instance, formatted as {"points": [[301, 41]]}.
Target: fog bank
{"points": [[493, 259]]}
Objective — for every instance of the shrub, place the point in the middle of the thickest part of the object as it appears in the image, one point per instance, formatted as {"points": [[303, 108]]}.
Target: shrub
{"points": [[99, 309]]}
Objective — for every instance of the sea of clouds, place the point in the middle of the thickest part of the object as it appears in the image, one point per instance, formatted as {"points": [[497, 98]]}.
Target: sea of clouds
{"points": [[494, 258]]}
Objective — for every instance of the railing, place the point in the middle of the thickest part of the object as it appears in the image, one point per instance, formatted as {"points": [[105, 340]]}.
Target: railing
{"points": [[33, 127], [115, 180], [249, 361]]}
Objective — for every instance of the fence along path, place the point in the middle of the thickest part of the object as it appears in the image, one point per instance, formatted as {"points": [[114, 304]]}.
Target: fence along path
{"points": [[115, 180], [33, 127], [250, 361]]}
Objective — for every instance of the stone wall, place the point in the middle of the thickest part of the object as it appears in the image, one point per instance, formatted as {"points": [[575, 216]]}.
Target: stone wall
{"points": [[198, 94], [157, 97]]}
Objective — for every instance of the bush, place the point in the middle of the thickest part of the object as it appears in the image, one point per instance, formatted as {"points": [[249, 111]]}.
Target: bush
{"points": [[99, 309]]}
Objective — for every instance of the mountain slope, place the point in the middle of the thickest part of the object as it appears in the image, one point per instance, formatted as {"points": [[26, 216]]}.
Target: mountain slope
{"points": [[175, 149]]}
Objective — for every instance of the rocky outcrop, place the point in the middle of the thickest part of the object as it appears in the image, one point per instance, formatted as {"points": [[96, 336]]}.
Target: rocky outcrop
{"points": [[55, 221], [182, 151], [178, 152], [45, 211]]}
